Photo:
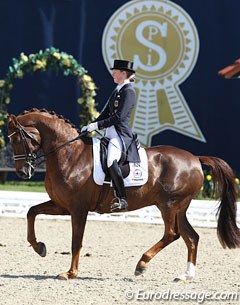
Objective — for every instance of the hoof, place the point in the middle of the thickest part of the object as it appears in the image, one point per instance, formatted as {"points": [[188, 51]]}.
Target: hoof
{"points": [[42, 250], [67, 276], [140, 271], [177, 280], [62, 277], [184, 278]]}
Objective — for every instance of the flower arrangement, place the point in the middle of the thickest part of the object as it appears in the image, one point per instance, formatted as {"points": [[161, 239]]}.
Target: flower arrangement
{"points": [[54, 59], [87, 101]]}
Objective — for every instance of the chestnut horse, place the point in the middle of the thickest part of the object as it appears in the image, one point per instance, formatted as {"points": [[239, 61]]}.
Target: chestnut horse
{"points": [[175, 177]]}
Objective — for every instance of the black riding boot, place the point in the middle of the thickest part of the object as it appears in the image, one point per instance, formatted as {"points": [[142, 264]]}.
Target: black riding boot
{"points": [[120, 202]]}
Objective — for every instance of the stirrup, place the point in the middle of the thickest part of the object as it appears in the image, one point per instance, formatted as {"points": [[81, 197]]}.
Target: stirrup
{"points": [[120, 205]]}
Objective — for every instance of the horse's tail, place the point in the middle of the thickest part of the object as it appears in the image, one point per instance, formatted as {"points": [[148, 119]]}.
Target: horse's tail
{"points": [[226, 189]]}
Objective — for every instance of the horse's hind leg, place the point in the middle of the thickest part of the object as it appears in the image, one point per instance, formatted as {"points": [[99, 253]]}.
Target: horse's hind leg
{"points": [[191, 238], [44, 208], [170, 234]]}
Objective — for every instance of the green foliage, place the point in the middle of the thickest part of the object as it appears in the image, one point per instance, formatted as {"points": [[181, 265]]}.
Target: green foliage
{"points": [[53, 59]]}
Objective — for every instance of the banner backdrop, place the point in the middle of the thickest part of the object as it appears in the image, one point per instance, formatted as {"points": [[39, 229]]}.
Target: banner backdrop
{"points": [[177, 48]]}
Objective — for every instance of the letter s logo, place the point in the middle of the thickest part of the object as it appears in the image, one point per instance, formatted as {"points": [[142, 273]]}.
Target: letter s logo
{"points": [[154, 28]]}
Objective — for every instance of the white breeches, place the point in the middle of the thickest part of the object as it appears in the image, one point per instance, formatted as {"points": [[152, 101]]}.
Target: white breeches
{"points": [[114, 146]]}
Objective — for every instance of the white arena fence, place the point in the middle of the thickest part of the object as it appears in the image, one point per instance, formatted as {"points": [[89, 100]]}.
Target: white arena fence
{"points": [[201, 213]]}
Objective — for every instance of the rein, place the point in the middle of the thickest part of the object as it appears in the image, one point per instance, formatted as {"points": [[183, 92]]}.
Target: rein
{"points": [[57, 149], [30, 157]]}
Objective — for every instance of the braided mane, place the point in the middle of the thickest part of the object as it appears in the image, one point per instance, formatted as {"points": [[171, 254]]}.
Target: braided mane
{"points": [[53, 113]]}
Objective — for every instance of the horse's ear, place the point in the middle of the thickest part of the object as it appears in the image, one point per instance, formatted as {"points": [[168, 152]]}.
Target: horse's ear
{"points": [[11, 118]]}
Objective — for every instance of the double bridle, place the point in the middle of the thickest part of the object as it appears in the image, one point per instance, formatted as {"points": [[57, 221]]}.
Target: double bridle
{"points": [[30, 157]]}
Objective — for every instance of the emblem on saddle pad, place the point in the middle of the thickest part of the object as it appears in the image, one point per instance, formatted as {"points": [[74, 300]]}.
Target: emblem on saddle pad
{"points": [[164, 48], [137, 173]]}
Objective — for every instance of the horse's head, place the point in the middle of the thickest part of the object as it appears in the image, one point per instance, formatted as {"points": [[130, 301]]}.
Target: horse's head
{"points": [[25, 140]]}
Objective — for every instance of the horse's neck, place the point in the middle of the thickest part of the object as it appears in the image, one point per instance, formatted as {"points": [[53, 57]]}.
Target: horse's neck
{"points": [[54, 134]]}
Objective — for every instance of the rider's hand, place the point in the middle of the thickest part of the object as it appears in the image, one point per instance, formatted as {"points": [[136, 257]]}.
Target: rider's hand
{"points": [[90, 127], [84, 128]]}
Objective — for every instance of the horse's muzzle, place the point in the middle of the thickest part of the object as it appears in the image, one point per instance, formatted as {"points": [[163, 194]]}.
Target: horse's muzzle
{"points": [[26, 172]]}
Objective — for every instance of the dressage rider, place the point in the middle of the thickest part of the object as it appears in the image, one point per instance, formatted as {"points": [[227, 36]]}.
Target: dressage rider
{"points": [[115, 117]]}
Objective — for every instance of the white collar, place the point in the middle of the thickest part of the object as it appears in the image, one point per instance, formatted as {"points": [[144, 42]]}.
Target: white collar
{"points": [[127, 81]]}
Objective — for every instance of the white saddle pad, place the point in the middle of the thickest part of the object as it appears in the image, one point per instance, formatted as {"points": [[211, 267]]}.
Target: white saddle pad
{"points": [[138, 171]]}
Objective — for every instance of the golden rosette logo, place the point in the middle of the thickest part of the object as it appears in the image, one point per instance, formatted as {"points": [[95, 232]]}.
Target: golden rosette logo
{"points": [[162, 41]]}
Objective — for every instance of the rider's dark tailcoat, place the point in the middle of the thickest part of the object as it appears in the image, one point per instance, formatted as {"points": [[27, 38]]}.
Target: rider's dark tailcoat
{"points": [[117, 112]]}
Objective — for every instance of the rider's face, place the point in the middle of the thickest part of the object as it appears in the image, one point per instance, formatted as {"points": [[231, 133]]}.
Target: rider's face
{"points": [[119, 76]]}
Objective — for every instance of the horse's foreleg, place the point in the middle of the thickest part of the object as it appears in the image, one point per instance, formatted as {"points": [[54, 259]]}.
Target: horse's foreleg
{"points": [[44, 208], [191, 240], [78, 226], [170, 235]]}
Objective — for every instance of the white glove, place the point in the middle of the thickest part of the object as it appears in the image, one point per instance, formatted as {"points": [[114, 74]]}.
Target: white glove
{"points": [[90, 127], [84, 128]]}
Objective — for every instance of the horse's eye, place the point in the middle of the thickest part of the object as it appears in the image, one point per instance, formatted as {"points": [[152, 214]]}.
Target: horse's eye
{"points": [[33, 137]]}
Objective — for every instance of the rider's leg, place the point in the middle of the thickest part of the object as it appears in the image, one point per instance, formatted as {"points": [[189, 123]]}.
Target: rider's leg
{"points": [[114, 155], [114, 151]]}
